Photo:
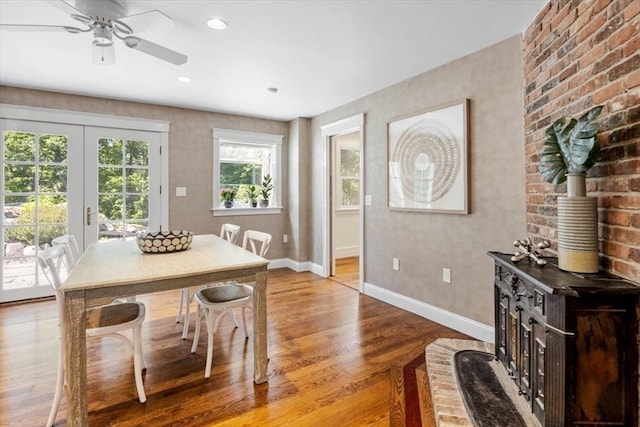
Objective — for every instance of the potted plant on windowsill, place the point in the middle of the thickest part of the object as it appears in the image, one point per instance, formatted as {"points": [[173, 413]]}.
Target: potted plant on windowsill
{"points": [[570, 150], [253, 196], [228, 195], [265, 190]]}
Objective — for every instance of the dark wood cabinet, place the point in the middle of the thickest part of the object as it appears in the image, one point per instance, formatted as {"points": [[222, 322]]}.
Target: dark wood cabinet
{"points": [[569, 342]]}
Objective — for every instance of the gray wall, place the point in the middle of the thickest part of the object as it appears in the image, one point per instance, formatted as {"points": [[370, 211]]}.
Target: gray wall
{"points": [[427, 242]]}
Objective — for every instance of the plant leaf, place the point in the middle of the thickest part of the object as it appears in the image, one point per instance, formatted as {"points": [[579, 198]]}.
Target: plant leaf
{"points": [[570, 147]]}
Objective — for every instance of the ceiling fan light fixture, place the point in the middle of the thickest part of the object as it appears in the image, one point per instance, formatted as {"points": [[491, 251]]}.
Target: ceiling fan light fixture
{"points": [[103, 54], [217, 24], [102, 36]]}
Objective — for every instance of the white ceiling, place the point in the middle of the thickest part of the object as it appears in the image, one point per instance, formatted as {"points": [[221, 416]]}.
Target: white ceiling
{"points": [[319, 54]]}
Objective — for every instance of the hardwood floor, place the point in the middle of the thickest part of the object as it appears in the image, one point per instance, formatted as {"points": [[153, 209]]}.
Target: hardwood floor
{"points": [[331, 353], [348, 272]]}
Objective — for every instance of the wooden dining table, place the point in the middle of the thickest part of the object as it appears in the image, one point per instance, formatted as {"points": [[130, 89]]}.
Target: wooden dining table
{"points": [[118, 268]]}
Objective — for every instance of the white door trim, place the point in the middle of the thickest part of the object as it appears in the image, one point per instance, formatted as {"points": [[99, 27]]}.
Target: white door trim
{"points": [[354, 123]]}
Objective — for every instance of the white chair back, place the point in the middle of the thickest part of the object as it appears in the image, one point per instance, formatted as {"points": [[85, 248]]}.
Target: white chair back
{"points": [[70, 241], [258, 241], [52, 260], [230, 232]]}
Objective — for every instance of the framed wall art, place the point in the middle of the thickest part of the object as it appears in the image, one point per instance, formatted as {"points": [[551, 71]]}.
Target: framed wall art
{"points": [[427, 155]]}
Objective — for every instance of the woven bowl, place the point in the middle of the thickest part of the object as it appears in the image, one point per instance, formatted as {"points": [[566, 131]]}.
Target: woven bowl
{"points": [[158, 242]]}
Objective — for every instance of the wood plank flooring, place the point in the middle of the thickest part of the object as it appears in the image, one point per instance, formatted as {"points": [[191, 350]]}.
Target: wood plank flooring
{"points": [[331, 351], [348, 272]]}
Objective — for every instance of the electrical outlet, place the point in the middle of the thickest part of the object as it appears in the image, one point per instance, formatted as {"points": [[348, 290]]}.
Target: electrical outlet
{"points": [[446, 275], [285, 238], [181, 191], [368, 200], [396, 264]]}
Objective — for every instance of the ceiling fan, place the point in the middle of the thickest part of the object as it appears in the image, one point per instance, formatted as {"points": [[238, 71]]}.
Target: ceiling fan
{"points": [[107, 19]]}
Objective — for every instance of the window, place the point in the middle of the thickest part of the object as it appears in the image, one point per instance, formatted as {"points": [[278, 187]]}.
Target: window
{"points": [[241, 160], [349, 177]]}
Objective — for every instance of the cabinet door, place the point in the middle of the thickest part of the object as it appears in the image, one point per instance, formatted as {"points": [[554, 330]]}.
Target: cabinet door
{"points": [[526, 344], [538, 371], [502, 326]]}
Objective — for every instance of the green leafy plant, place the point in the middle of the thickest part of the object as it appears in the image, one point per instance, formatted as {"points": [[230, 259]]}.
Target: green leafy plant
{"points": [[267, 187], [253, 192], [570, 148]]}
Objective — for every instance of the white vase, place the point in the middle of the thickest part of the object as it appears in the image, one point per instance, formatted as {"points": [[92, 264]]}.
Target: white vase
{"points": [[578, 228]]}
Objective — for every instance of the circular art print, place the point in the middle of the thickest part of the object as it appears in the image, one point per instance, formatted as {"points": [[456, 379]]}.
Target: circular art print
{"points": [[427, 159]]}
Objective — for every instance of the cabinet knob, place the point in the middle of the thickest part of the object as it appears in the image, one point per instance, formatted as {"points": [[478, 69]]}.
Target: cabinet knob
{"points": [[518, 308]]}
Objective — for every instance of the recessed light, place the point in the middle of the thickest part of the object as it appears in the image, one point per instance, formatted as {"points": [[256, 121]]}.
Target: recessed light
{"points": [[184, 79], [217, 24], [272, 89]]}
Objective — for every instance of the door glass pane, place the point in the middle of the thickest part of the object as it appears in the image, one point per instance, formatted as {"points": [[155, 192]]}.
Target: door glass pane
{"points": [[34, 202], [123, 188]]}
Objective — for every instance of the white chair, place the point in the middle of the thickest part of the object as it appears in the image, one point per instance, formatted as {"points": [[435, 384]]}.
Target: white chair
{"points": [[108, 320], [72, 243], [228, 232], [216, 301]]}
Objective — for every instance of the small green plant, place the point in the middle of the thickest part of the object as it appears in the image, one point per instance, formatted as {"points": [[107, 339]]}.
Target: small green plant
{"points": [[570, 148], [253, 192], [267, 187]]}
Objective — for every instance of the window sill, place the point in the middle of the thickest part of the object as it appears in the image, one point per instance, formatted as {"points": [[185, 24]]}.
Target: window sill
{"points": [[244, 210]]}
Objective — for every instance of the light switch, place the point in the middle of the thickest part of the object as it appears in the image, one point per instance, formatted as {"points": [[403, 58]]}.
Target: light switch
{"points": [[181, 191], [368, 200]]}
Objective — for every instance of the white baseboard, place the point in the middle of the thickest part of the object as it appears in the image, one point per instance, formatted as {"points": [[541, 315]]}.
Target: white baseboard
{"points": [[451, 320], [293, 265], [347, 251]]}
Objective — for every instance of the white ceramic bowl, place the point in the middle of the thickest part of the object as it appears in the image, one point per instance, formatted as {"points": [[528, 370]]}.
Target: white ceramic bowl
{"points": [[158, 242]]}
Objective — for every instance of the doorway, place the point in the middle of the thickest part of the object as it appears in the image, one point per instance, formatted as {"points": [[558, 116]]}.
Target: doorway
{"points": [[59, 178], [343, 239], [345, 187]]}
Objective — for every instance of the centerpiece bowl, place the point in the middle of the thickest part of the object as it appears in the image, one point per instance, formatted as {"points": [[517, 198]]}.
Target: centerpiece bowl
{"points": [[156, 242]]}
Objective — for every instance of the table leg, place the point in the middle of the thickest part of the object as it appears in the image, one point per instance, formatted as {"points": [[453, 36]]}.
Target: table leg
{"points": [[75, 323], [260, 328]]}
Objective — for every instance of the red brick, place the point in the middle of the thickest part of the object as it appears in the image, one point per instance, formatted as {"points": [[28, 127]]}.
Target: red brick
{"points": [[594, 54], [634, 254], [626, 67], [611, 59], [615, 250], [626, 269], [631, 10], [633, 80], [635, 220], [617, 218], [626, 235], [614, 185], [590, 27]]}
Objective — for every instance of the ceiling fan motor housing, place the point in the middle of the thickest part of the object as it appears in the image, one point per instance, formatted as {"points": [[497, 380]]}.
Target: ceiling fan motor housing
{"points": [[99, 10], [102, 36]]}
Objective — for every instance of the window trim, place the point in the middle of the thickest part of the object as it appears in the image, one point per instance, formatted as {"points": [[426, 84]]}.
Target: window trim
{"points": [[237, 136]]}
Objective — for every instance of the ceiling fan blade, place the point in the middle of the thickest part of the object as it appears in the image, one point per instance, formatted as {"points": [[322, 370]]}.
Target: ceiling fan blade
{"points": [[26, 27], [150, 20], [156, 50]]}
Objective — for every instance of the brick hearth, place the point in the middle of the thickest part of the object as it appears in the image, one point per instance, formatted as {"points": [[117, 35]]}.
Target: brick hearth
{"points": [[448, 407]]}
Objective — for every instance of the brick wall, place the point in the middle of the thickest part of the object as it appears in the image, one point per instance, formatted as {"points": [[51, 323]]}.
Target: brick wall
{"points": [[579, 54]]}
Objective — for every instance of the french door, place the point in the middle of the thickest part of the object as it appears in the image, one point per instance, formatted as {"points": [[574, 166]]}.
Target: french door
{"points": [[95, 183]]}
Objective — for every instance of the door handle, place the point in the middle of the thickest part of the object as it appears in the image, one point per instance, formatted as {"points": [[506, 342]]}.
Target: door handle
{"points": [[89, 213]]}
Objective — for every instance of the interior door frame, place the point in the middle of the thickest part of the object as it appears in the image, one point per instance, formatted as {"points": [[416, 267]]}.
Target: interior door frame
{"points": [[351, 124], [21, 112]]}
